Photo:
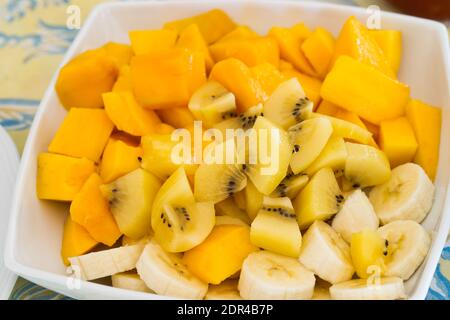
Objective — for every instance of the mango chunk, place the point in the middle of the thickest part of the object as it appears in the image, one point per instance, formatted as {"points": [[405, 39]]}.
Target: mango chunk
{"points": [[121, 53], [397, 141], [363, 89], [76, 241], [90, 209], [239, 33], [119, 159], [123, 82], [355, 41], [236, 77], [167, 79], [213, 24], [221, 254], [60, 177], [390, 42], [177, 117], [309, 84], [318, 48], [373, 128], [146, 41], [268, 76], [192, 39], [83, 80], [332, 110], [290, 41], [252, 51], [426, 123], [124, 111], [83, 133]]}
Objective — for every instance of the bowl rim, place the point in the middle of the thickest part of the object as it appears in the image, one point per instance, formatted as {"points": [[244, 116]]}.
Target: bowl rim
{"points": [[40, 276]]}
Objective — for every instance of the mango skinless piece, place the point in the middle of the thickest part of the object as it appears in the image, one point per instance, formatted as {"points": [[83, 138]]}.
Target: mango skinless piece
{"points": [[332, 110], [268, 76], [252, 51], [213, 24], [125, 112], [426, 122], [177, 117], [164, 128], [76, 241], [167, 79], [83, 80], [84, 132], [191, 39], [318, 48], [146, 41], [127, 138], [61, 177], [221, 255], [90, 209], [309, 84], [390, 42], [289, 41], [239, 33], [355, 41], [397, 141], [285, 66], [121, 53], [119, 158], [236, 77], [373, 128], [363, 89], [123, 82]]}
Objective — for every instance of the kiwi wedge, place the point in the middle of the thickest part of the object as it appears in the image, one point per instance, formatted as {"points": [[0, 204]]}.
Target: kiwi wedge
{"points": [[290, 186]]}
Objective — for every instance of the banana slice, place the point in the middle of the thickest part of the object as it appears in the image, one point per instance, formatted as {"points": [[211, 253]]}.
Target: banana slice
{"points": [[326, 254], [129, 281], [321, 290], [407, 246], [166, 274], [269, 276], [362, 289], [408, 195], [356, 214], [227, 290], [105, 263], [212, 103]]}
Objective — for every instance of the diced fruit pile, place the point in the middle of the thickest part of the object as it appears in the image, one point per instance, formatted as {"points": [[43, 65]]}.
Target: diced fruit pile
{"points": [[339, 216]]}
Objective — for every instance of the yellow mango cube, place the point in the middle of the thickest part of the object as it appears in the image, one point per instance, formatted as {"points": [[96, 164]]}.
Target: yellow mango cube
{"points": [[236, 77], [332, 110], [83, 80], [355, 41], [364, 90], [61, 177], [146, 41], [221, 255], [192, 39], [123, 82], [177, 117], [309, 84], [121, 53], [213, 24], [83, 133], [390, 42], [367, 249], [397, 141], [167, 79], [119, 159], [239, 33], [426, 123], [318, 48], [128, 116], [90, 209], [76, 241], [268, 76]]}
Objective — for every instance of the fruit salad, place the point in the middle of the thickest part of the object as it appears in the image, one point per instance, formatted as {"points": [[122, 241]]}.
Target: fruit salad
{"points": [[206, 161]]}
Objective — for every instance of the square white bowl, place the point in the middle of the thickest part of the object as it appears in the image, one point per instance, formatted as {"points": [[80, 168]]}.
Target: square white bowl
{"points": [[35, 230]]}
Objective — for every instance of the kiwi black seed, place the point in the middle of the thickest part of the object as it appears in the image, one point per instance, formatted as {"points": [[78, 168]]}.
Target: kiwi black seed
{"points": [[296, 148], [297, 111], [281, 211]]}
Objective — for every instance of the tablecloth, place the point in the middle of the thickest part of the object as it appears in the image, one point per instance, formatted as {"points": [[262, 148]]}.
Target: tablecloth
{"points": [[33, 40]]}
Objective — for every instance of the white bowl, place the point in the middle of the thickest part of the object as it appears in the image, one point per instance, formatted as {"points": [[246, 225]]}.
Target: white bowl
{"points": [[35, 231]]}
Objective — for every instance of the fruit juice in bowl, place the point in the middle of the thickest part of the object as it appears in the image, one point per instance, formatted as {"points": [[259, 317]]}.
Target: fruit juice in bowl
{"points": [[334, 171]]}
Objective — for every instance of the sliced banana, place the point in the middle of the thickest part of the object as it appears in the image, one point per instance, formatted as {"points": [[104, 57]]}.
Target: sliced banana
{"points": [[129, 281], [408, 195], [407, 246], [362, 289], [227, 290], [321, 290], [288, 104], [166, 274], [355, 215], [326, 254], [212, 103], [105, 263], [269, 276]]}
